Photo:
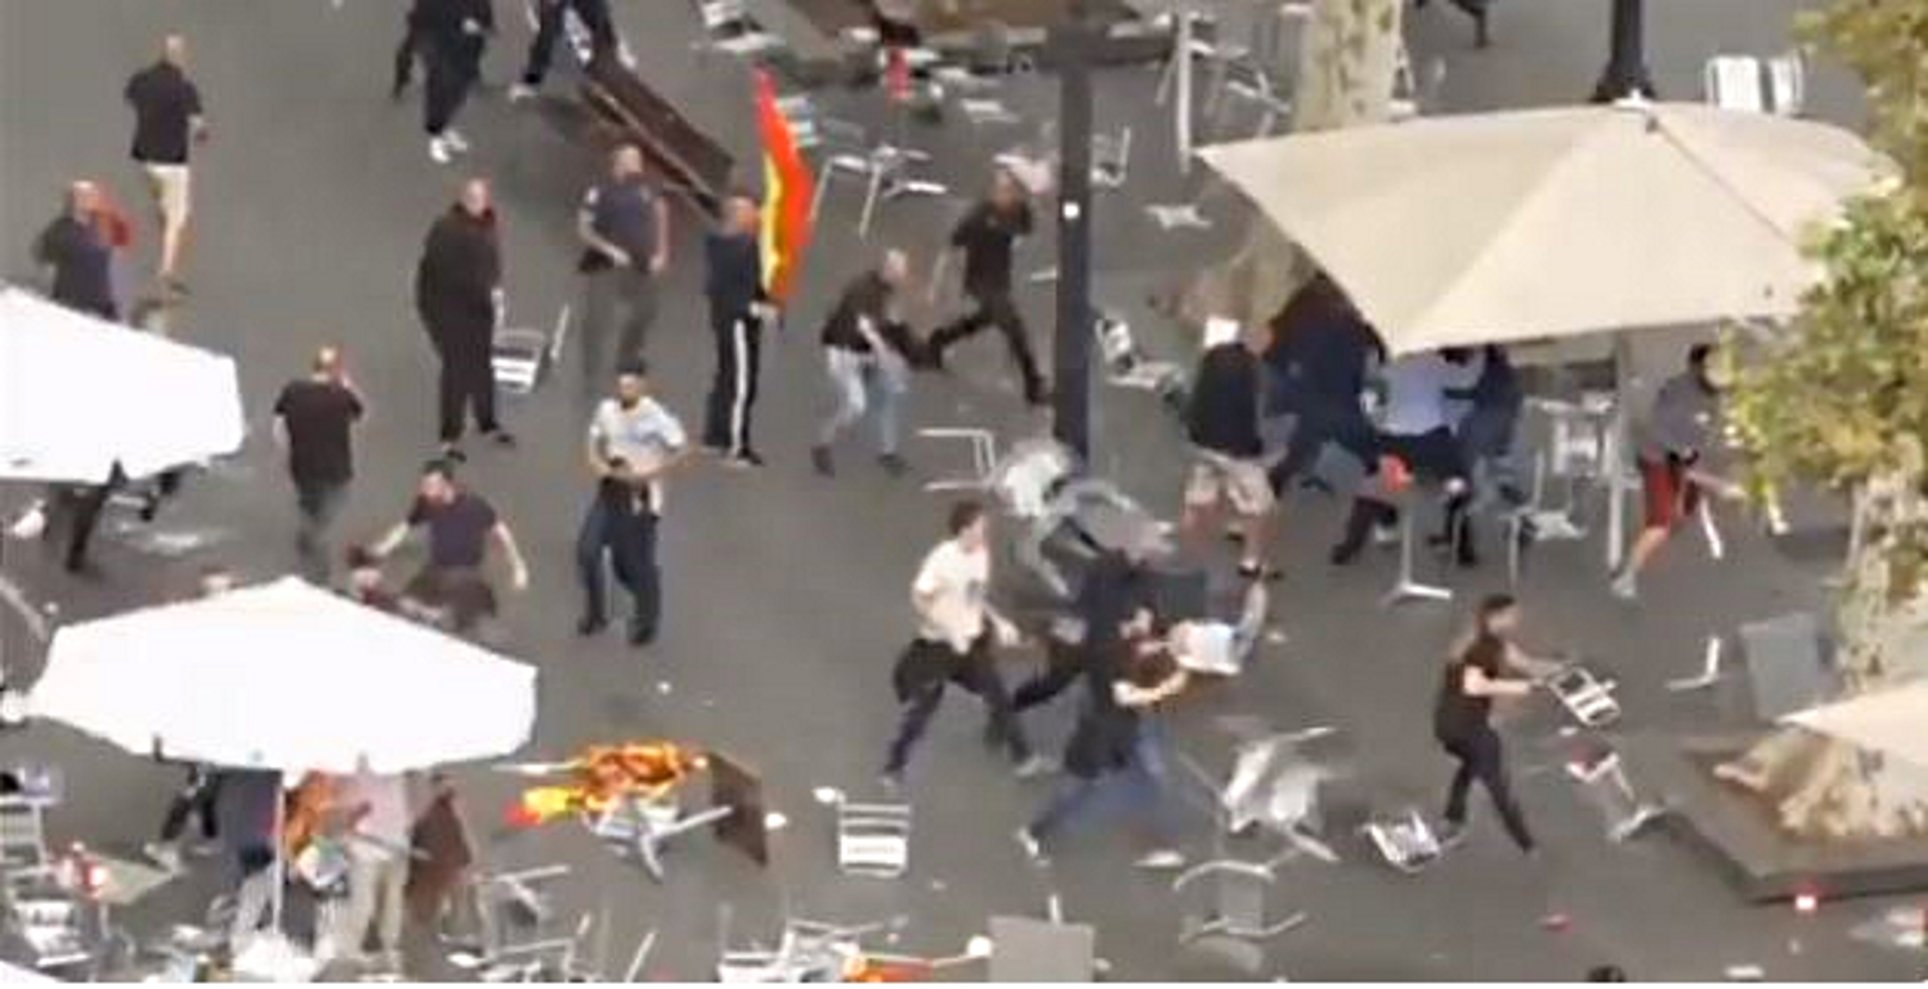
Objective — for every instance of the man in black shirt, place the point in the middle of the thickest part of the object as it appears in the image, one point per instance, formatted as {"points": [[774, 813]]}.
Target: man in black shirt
{"points": [[457, 293], [77, 254], [1463, 710], [167, 122], [986, 235], [1223, 423], [460, 526], [449, 36], [314, 416], [734, 284], [868, 353]]}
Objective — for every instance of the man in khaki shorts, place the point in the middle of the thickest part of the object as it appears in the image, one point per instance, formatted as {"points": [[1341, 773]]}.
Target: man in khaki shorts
{"points": [[167, 123], [1229, 455]]}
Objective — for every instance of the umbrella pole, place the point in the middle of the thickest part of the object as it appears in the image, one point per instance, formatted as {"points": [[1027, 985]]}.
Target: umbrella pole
{"points": [[1616, 452], [280, 861], [1182, 87]]}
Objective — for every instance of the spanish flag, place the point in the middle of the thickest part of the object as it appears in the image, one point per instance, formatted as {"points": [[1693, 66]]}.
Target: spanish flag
{"points": [[786, 194]]}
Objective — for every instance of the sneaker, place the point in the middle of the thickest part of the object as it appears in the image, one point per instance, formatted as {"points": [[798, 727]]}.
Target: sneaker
{"points": [[1163, 858], [893, 464], [748, 458], [1385, 535], [640, 635], [1625, 587], [520, 92], [820, 459], [438, 151], [1450, 834], [1029, 843], [455, 141], [589, 625], [166, 856], [1034, 766], [502, 438]]}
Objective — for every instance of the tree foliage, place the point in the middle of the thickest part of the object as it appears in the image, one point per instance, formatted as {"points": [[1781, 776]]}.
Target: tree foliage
{"points": [[1842, 398]]}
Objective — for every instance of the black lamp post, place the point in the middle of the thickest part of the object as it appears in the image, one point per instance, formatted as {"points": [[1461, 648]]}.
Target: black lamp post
{"points": [[1071, 354], [1626, 72]]}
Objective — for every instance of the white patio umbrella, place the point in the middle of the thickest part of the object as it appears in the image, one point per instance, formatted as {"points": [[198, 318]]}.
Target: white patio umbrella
{"points": [[288, 677], [1889, 722], [78, 394], [1535, 224]]}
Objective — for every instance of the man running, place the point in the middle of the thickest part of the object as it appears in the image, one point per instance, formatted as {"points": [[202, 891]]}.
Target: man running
{"points": [[955, 629], [868, 354], [986, 236]]}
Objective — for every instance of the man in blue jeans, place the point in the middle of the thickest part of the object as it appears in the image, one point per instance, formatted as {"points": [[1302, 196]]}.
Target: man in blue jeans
{"points": [[1119, 739], [633, 443]]}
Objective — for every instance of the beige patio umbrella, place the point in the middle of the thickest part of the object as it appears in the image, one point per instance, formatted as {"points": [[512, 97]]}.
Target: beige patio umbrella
{"points": [[1538, 224], [1889, 722]]}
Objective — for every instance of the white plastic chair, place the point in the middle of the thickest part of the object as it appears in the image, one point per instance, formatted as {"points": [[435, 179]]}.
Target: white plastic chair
{"points": [[1748, 84]]}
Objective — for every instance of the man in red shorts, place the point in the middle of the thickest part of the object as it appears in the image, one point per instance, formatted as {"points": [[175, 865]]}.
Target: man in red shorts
{"points": [[1672, 479]]}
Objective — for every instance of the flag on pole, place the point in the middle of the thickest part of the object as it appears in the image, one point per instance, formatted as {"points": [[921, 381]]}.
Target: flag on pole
{"points": [[786, 194]]}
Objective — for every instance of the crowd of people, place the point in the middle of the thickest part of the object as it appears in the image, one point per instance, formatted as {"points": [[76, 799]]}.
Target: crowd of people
{"points": [[1444, 421]]}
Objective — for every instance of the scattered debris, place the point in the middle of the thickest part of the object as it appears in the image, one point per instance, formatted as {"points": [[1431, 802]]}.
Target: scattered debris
{"points": [[1745, 973], [1558, 922], [1275, 636], [939, 886], [662, 686], [774, 821], [827, 795]]}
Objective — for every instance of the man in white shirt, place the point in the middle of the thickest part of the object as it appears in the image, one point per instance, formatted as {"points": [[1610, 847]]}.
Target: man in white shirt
{"points": [[633, 443], [955, 625], [378, 856]]}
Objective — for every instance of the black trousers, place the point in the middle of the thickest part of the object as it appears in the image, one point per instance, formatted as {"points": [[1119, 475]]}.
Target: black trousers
{"points": [[82, 507], [995, 308], [405, 57], [733, 389], [450, 76], [1482, 758], [467, 385], [1321, 421], [1063, 665], [594, 15], [197, 796], [921, 695]]}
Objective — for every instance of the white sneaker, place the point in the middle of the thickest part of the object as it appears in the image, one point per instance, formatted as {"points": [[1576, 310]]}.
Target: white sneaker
{"points": [[1029, 842], [1163, 858], [438, 150], [1033, 767], [521, 91], [1624, 587], [456, 142], [166, 856]]}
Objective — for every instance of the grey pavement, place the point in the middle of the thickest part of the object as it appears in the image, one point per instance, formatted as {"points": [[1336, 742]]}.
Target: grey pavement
{"points": [[785, 592]]}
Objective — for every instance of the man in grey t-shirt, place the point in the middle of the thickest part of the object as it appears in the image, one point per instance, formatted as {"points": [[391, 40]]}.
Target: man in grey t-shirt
{"points": [[633, 443], [1678, 434]]}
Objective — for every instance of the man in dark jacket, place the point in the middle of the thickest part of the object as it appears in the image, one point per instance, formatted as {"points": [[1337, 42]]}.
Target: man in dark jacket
{"points": [[78, 256], [1223, 423], [734, 284], [1319, 354], [457, 285], [449, 36], [868, 354]]}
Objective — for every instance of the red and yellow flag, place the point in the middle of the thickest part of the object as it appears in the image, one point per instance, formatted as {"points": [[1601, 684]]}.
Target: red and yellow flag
{"points": [[787, 190]]}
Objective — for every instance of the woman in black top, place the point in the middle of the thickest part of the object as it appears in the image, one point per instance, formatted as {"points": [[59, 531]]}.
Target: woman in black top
{"points": [[1462, 716]]}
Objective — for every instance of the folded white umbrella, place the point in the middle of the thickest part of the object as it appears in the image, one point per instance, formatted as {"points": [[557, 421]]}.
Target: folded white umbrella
{"points": [[1889, 722], [1490, 228], [78, 394], [289, 677]]}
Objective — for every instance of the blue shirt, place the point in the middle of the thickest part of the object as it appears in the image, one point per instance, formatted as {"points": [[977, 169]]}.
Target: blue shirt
{"points": [[1416, 395]]}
